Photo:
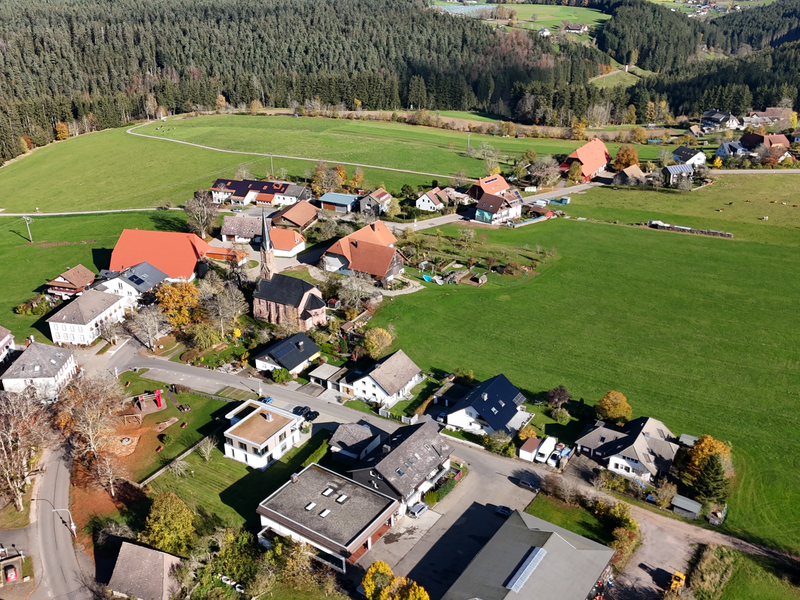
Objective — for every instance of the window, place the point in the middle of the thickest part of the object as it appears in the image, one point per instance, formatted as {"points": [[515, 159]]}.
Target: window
{"points": [[325, 513], [242, 446], [400, 472], [229, 441], [327, 492], [627, 469], [282, 437], [494, 410], [311, 505], [342, 499]]}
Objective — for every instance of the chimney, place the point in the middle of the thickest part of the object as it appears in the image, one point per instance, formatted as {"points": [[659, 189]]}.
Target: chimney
{"points": [[267, 416], [485, 396], [295, 478], [300, 346], [387, 448]]}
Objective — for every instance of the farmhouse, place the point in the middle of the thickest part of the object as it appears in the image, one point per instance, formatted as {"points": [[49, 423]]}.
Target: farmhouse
{"points": [[388, 381], [7, 346], [675, 173], [531, 559], [714, 119], [369, 250], [593, 158], [260, 434], [577, 28], [339, 517], [493, 405], [497, 209], [47, 368], [298, 216], [142, 572], [407, 464], [132, 283], [79, 321], [353, 441], [751, 141], [642, 449], [341, 203], [689, 156], [734, 149], [241, 230], [71, 282], [268, 193], [173, 253], [293, 354], [375, 203]]}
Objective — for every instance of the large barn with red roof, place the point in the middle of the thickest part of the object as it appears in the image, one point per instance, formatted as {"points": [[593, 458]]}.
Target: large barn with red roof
{"points": [[593, 158]]}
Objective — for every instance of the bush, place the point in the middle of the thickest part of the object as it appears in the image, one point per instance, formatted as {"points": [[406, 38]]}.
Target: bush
{"points": [[317, 455], [560, 416], [420, 410], [625, 542], [431, 498], [281, 376], [712, 572], [445, 489], [166, 439]]}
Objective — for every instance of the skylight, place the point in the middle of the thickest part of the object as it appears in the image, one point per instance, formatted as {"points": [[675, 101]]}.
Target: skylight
{"points": [[400, 472], [494, 410], [327, 492], [311, 505], [526, 569], [342, 499], [325, 513]]}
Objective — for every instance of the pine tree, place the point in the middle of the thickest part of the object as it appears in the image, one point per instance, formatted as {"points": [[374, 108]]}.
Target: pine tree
{"points": [[711, 486]]}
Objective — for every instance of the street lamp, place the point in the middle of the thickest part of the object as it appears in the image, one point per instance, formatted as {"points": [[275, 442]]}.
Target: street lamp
{"points": [[71, 522]]}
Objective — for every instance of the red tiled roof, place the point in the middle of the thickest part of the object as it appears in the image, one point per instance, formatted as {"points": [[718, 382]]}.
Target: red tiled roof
{"points": [[285, 239], [592, 156], [176, 254], [376, 233], [493, 184], [367, 250]]}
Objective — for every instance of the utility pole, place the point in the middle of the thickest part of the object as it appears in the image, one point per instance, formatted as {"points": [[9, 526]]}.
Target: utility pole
{"points": [[271, 166], [28, 222]]}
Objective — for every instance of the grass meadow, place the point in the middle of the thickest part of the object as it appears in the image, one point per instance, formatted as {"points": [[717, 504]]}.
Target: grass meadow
{"points": [[551, 16], [699, 332]]}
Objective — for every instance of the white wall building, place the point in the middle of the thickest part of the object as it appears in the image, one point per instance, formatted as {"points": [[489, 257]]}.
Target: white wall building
{"points": [[47, 368], [78, 322], [389, 381], [133, 283], [260, 434], [6, 344]]}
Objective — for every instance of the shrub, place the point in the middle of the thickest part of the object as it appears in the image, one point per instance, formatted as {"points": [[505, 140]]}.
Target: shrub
{"points": [[420, 410], [445, 489], [560, 416], [281, 376], [549, 484], [526, 432], [625, 542], [317, 455], [166, 439], [431, 498], [712, 572]]}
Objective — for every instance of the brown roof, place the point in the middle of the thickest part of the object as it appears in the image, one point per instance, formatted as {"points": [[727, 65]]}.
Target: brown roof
{"points": [[633, 171], [492, 204], [77, 277], [256, 429], [364, 257], [246, 227], [530, 445], [144, 573], [300, 213], [752, 140], [380, 195], [591, 155]]}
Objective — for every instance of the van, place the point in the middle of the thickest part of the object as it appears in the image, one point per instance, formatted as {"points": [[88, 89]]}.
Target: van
{"points": [[416, 511], [545, 449]]}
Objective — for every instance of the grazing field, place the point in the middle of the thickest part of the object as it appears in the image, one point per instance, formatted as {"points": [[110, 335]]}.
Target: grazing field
{"points": [[699, 332], [61, 243], [551, 16], [755, 578], [614, 79]]}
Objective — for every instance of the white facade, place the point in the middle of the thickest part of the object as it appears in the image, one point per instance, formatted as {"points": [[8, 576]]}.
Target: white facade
{"points": [[334, 262], [731, 149], [369, 390], [265, 364], [425, 203], [290, 253], [697, 160], [85, 333], [120, 287], [261, 455], [628, 467], [46, 387], [281, 200], [467, 419], [6, 346]]}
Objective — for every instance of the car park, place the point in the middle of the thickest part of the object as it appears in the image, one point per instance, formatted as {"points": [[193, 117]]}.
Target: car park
{"points": [[312, 416], [504, 511], [416, 511]]}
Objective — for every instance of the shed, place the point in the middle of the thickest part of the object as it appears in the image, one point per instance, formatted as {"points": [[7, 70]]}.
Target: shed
{"points": [[686, 507], [687, 440], [528, 450]]}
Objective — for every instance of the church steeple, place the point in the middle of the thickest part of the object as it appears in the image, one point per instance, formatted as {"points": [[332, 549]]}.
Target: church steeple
{"points": [[268, 267]]}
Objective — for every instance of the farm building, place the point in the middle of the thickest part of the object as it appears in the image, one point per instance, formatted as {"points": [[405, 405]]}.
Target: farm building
{"points": [[341, 203], [298, 216], [593, 158]]}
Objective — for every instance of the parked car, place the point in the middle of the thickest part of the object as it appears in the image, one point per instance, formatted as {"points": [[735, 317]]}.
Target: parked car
{"points": [[553, 460], [504, 511], [442, 417], [546, 448], [416, 511], [10, 573], [266, 400], [312, 416], [528, 485], [302, 410], [236, 210]]}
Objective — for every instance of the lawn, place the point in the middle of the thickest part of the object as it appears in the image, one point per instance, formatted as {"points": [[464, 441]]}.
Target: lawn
{"points": [[756, 578], [572, 518], [551, 16], [698, 332], [200, 422], [11, 519], [614, 79], [230, 489], [60, 243]]}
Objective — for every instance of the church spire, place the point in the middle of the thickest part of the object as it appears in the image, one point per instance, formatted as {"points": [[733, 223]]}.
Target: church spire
{"points": [[268, 267]]}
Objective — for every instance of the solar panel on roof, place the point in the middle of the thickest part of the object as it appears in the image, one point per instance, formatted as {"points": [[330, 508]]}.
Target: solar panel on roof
{"points": [[283, 351], [136, 280]]}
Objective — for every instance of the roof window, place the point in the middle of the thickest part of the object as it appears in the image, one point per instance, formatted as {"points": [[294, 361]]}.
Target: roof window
{"points": [[400, 472], [325, 513], [342, 499], [494, 410], [501, 403], [327, 492], [311, 505]]}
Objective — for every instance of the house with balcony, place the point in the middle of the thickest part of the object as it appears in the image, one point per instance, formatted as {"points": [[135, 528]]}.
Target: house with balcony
{"points": [[260, 434], [406, 464], [71, 282], [47, 368]]}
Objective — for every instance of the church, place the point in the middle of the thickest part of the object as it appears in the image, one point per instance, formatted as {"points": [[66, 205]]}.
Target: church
{"points": [[283, 300]]}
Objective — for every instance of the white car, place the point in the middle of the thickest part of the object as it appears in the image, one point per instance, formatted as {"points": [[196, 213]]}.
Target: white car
{"points": [[545, 449], [553, 460]]}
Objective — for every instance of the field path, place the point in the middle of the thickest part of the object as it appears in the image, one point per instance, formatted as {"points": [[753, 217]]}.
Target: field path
{"points": [[266, 154]]}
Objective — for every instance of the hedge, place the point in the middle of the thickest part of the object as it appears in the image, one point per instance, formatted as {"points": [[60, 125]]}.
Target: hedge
{"points": [[317, 455]]}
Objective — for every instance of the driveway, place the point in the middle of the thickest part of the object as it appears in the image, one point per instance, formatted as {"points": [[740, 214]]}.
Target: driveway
{"points": [[400, 540]]}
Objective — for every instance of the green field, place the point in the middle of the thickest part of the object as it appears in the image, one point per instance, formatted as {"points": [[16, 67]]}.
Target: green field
{"points": [[756, 579], [551, 16], [699, 332], [614, 79], [60, 243]]}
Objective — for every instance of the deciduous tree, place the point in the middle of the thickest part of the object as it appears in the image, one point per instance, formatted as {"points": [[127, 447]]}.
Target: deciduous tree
{"points": [[110, 331], [227, 306], [242, 172], [575, 172], [613, 407], [62, 131], [665, 494], [376, 340], [201, 213], [169, 525], [206, 447], [179, 301], [702, 451], [543, 170], [108, 472], [148, 324], [281, 376], [86, 411], [376, 579], [558, 396], [626, 156]]}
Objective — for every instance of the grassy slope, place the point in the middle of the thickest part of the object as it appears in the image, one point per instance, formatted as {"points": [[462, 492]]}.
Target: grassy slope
{"points": [[616, 78], [754, 578], [696, 331], [25, 268]]}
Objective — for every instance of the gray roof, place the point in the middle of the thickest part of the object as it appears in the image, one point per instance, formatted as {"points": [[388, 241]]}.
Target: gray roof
{"points": [[685, 153], [38, 360], [300, 192], [4, 332], [245, 227], [325, 371], [85, 308], [569, 564], [346, 520], [394, 372], [288, 353], [688, 440], [495, 400], [675, 169], [283, 289], [352, 437], [144, 573], [686, 503], [413, 452], [144, 277], [338, 199]]}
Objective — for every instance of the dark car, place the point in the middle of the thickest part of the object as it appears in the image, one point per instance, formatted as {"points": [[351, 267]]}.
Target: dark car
{"points": [[301, 410], [311, 416], [528, 485], [504, 511]]}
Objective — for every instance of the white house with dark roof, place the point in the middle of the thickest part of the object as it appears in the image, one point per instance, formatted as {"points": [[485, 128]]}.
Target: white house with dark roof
{"points": [[78, 323], [353, 441], [388, 381], [260, 434], [641, 449], [406, 464], [144, 573], [689, 156], [493, 405], [47, 368], [294, 354], [133, 283], [339, 517], [6, 344]]}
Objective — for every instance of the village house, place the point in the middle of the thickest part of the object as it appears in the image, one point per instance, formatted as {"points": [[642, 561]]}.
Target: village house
{"points": [[144, 573], [283, 300], [337, 516], [369, 250], [46, 368], [375, 203], [632, 175], [733, 149], [494, 185], [642, 449], [388, 381], [531, 559], [132, 284], [577, 28], [332, 378], [689, 156], [265, 193], [544, 32], [241, 230], [492, 405], [78, 322], [298, 216], [7, 346], [340, 203], [433, 200], [694, 131], [751, 141], [352, 442], [294, 354], [71, 282], [714, 119], [260, 434], [675, 173], [496, 210], [593, 158], [406, 464], [173, 253]]}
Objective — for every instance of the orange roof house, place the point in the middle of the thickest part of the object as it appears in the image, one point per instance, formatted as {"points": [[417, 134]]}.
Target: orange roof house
{"points": [[72, 281], [300, 216], [592, 156], [369, 250], [493, 184], [176, 254], [375, 233], [287, 242]]}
